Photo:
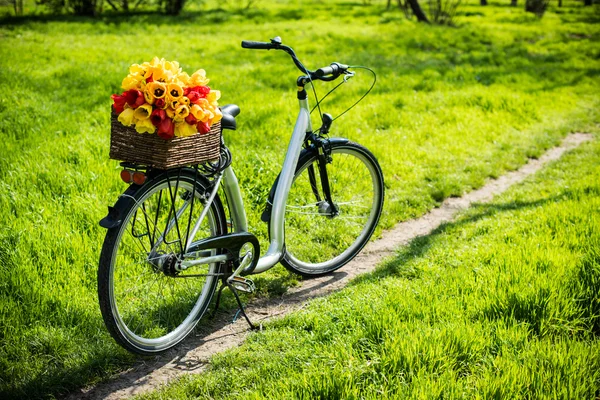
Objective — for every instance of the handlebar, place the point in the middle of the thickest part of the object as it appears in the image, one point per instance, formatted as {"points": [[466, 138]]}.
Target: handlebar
{"points": [[249, 44], [334, 69], [329, 73]]}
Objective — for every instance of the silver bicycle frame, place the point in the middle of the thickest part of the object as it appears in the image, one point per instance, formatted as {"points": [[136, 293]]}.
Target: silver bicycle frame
{"points": [[236, 204], [234, 196]]}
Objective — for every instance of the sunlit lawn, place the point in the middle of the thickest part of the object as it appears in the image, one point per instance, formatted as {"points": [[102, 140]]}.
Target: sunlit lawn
{"points": [[453, 106]]}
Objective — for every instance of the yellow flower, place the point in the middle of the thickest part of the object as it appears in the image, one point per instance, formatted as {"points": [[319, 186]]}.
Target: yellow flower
{"points": [[143, 112], [203, 103], [172, 66], [161, 75], [213, 96], [126, 117], [184, 100], [136, 69], [210, 115], [170, 112], [174, 91], [144, 125], [199, 78], [148, 96], [157, 61], [157, 89], [183, 78], [183, 129], [132, 81], [197, 112], [217, 116], [181, 112], [173, 104]]}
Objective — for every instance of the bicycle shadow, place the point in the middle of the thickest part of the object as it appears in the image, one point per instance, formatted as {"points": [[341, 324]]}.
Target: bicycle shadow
{"points": [[213, 335]]}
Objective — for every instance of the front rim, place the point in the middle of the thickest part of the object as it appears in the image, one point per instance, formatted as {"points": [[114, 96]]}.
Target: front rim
{"points": [[318, 240], [155, 307]]}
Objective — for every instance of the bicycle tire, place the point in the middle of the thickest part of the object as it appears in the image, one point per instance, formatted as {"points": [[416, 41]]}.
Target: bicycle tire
{"points": [[317, 242], [146, 310]]}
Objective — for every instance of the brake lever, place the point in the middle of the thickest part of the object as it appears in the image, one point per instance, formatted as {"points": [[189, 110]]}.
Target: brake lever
{"points": [[348, 75]]}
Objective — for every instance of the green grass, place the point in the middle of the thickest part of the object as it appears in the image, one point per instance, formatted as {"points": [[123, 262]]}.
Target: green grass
{"points": [[502, 303], [452, 108]]}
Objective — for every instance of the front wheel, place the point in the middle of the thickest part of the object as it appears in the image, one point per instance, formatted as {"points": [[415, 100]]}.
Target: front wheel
{"points": [[321, 237], [147, 303]]}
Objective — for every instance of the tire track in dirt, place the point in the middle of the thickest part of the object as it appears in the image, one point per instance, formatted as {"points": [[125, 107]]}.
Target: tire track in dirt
{"points": [[193, 354]]}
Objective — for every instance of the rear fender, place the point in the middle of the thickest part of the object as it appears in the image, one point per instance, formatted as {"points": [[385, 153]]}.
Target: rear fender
{"points": [[116, 213]]}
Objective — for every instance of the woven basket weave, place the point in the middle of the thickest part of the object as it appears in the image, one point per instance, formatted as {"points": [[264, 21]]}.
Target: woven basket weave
{"points": [[126, 144]]}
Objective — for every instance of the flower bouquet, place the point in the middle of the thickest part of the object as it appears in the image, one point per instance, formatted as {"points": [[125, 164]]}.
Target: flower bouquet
{"points": [[179, 112]]}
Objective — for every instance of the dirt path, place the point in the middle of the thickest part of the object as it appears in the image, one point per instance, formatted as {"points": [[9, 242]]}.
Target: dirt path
{"points": [[192, 356]]}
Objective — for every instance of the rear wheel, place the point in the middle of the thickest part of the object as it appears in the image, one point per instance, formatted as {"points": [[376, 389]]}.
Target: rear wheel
{"points": [[321, 237], [148, 305]]}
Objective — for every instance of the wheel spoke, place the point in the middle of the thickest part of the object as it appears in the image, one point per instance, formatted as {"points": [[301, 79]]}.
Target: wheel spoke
{"points": [[318, 241], [150, 309]]}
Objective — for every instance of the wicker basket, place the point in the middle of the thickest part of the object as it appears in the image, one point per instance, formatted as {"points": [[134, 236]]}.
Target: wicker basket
{"points": [[151, 150]]}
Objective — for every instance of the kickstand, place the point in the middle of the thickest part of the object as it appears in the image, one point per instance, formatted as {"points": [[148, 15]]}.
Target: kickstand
{"points": [[225, 284], [218, 302], [234, 291]]}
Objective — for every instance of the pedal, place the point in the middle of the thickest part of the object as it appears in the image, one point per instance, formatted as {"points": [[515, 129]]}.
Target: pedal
{"points": [[242, 284]]}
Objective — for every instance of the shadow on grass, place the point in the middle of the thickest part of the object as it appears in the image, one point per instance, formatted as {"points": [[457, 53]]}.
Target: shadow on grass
{"points": [[109, 359]]}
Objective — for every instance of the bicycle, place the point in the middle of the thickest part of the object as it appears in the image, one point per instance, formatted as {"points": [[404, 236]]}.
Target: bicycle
{"points": [[171, 237]]}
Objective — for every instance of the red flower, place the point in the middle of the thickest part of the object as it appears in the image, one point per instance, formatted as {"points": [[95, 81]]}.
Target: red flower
{"points": [[203, 127], [190, 119], [193, 96], [166, 129], [119, 102], [186, 90], [157, 117], [203, 90], [197, 92], [160, 103], [134, 97]]}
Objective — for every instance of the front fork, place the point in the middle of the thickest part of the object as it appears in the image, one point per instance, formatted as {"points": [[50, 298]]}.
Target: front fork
{"points": [[326, 205]]}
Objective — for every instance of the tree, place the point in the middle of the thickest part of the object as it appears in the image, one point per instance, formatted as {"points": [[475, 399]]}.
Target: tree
{"points": [[18, 6], [538, 7], [440, 12], [174, 7], [417, 10], [77, 7]]}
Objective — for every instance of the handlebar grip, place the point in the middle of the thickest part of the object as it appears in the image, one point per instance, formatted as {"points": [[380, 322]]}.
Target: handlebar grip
{"points": [[249, 44], [334, 69], [331, 70]]}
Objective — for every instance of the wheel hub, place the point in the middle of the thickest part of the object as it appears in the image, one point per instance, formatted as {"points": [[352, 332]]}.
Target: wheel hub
{"points": [[327, 209], [169, 264]]}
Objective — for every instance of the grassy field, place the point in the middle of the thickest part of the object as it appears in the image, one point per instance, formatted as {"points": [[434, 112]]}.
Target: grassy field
{"points": [[453, 107], [503, 303]]}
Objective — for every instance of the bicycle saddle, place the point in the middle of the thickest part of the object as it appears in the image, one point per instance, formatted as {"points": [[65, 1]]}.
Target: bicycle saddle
{"points": [[229, 113]]}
